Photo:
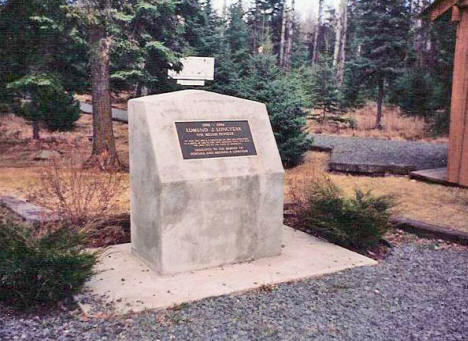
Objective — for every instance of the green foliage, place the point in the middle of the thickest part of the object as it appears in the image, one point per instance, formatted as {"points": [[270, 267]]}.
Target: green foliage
{"points": [[283, 97], [232, 50], [237, 33], [46, 102], [351, 91], [440, 123], [147, 40], [357, 223], [41, 270], [418, 93], [383, 35], [36, 36], [321, 88]]}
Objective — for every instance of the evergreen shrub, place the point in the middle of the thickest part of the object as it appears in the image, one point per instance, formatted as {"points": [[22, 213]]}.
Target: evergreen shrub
{"points": [[322, 92], [418, 93], [284, 99], [39, 270], [44, 100], [357, 223]]}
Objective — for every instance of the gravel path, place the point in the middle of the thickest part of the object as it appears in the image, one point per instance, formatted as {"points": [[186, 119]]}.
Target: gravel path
{"points": [[418, 293], [368, 155]]}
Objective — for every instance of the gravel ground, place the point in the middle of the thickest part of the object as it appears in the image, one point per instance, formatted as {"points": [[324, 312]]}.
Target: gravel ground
{"points": [[419, 292], [368, 155]]}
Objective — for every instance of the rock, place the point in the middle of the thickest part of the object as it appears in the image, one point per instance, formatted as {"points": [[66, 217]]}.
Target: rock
{"points": [[45, 155], [33, 214]]}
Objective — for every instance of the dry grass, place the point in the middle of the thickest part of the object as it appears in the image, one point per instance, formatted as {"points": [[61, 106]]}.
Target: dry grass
{"points": [[17, 149], [20, 174], [76, 193], [395, 125], [430, 203]]}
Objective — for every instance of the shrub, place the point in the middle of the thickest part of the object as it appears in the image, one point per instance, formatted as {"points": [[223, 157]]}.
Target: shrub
{"points": [[78, 194], [357, 223], [418, 93], [43, 100], [37, 269], [321, 90], [284, 99]]}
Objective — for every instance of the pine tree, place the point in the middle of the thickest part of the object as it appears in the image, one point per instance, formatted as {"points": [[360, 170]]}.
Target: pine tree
{"points": [[232, 52], [322, 90], [237, 33], [47, 103], [42, 60], [266, 16], [383, 32], [266, 83], [35, 37], [142, 31]]}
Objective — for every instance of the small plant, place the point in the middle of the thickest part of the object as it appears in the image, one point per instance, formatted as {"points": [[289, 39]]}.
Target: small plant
{"points": [[77, 194], [41, 268], [357, 223]]}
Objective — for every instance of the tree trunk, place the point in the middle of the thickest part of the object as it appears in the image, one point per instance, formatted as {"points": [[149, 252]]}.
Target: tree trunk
{"points": [[289, 43], [339, 57], [338, 33], [283, 35], [104, 152], [380, 97], [419, 43], [35, 130], [315, 55]]}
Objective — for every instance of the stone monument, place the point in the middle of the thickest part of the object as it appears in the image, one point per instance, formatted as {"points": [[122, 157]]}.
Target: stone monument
{"points": [[206, 181]]}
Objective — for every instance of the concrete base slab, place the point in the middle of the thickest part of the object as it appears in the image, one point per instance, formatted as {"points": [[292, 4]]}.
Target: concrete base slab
{"points": [[129, 285]]}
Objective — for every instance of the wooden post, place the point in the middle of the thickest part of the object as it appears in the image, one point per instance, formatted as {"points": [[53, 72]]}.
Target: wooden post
{"points": [[458, 142]]}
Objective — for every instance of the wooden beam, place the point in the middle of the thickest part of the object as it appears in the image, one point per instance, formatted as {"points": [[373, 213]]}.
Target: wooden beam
{"points": [[439, 8], [456, 14], [457, 171]]}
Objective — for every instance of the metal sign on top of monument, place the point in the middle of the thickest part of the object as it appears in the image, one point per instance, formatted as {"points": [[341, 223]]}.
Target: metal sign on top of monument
{"points": [[195, 71]]}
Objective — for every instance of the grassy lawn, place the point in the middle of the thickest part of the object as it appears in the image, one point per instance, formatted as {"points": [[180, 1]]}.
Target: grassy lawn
{"points": [[19, 174]]}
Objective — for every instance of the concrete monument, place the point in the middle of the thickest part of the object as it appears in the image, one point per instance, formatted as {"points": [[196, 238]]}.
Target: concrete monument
{"points": [[206, 181]]}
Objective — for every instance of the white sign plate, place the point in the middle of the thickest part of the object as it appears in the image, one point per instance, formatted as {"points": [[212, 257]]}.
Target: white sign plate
{"points": [[195, 68]]}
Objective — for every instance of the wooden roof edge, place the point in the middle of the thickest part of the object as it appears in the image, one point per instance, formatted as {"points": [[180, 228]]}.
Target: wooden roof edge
{"points": [[438, 8]]}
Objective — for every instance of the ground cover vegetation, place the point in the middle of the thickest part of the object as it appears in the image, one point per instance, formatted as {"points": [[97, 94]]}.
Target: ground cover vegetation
{"points": [[41, 267], [358, 222]]}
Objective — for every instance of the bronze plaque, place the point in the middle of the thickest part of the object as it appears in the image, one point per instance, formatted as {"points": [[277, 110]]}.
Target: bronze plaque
{"points": [[212, 139]]}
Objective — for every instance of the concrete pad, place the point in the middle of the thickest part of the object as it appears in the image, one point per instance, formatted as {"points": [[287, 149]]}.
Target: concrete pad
{"points": [[129, 285]]}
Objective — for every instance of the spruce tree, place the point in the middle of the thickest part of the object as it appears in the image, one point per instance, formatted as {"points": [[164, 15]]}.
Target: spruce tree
{"points": [[48, 103], [383, 32], [266, 83], [322, 90]]}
